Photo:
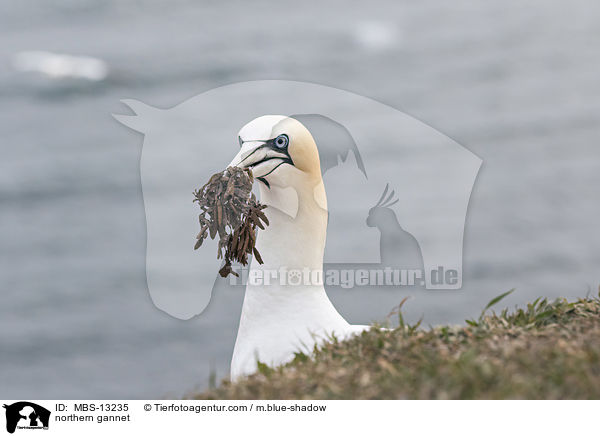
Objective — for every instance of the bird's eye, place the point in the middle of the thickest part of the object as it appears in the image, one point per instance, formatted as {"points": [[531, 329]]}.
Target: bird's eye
{"points": [[282, 141], [240, 141]]}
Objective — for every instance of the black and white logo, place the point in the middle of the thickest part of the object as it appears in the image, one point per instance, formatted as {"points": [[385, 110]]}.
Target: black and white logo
{"points": [[26, 415]]}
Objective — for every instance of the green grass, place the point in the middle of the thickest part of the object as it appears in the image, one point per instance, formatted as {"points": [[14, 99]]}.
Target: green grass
{"points": [[547, 350]]}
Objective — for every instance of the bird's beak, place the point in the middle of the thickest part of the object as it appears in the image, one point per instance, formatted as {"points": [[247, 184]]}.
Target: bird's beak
{"points": [[250, 153], [260, 156]]}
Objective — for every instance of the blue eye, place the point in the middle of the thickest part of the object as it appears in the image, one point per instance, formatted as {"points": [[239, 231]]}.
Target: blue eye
{"points": [[282, 141]]}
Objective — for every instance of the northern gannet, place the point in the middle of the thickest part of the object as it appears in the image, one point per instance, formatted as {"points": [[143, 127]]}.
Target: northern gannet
{"points": [[278, 320]]}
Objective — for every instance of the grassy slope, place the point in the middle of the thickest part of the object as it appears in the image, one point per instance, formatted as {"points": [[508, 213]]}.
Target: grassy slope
{"points": [[549, 350]]}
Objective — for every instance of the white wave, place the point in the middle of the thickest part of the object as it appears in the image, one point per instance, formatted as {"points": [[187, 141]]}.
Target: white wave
{"points": [[377, 36], [58, 65]]}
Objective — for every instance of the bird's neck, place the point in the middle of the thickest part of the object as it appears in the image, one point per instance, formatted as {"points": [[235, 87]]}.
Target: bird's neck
{"points": [[295, 236], [280, 315]]}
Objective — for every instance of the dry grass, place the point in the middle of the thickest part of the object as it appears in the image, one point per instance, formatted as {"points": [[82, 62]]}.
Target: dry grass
{"points": [[548, 350]]}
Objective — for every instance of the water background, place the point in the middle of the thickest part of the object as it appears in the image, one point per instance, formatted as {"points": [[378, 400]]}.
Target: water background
{"points": [[515, 82]]}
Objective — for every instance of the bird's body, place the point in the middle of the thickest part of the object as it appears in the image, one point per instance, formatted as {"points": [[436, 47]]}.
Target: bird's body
{"points": [[286, 308]]}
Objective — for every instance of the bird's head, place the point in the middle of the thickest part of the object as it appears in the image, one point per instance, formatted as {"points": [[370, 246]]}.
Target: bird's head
{"points": [[279, 150]]}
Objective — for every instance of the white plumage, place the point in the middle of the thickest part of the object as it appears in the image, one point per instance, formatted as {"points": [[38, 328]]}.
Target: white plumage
{"points": [[278, 320]]}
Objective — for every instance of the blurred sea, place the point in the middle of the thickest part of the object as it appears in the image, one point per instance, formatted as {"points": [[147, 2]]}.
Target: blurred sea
{"points": [[515, 82]]}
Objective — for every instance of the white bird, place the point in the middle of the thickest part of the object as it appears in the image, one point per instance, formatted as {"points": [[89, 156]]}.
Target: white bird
{"points": [[278, 319]]}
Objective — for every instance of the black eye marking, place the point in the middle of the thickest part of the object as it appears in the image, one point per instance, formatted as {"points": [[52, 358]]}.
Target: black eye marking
{"points": [[281, 141]]}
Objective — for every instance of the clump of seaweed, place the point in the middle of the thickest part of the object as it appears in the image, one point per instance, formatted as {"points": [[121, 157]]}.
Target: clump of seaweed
{"points": [[230, 209]]}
